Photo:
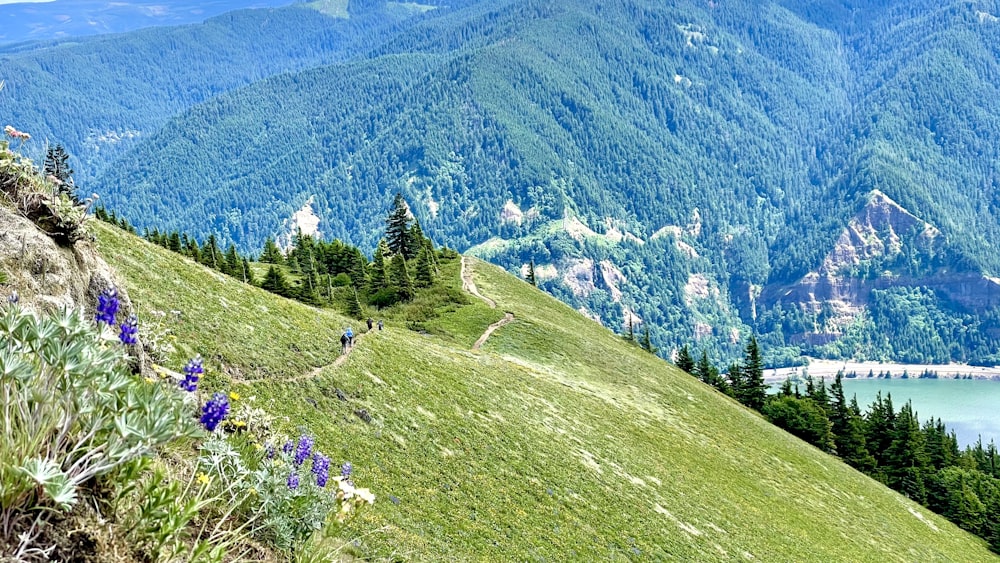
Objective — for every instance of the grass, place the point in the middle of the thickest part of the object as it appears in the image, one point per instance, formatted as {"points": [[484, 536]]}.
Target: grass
{"points": [[556, 441]]}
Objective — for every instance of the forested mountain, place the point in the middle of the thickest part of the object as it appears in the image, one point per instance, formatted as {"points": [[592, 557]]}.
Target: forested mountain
{"points": [[99, 96], [682, 167]]}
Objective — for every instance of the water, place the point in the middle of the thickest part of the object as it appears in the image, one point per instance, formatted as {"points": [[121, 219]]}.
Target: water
{"points": [[970, 407]]}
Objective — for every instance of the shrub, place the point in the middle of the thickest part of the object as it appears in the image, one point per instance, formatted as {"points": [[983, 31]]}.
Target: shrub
{"points": [[72, 413]]}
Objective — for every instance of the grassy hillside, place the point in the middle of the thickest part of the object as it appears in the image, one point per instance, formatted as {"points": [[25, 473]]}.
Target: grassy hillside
{"points": [[556, 441]]}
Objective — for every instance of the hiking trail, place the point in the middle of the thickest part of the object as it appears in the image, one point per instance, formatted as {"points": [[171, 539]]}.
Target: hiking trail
{"points": [[468, 284], [336, 363]]}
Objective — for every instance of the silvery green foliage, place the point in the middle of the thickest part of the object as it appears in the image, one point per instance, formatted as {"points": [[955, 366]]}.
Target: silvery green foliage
{"points": [[69, 412]]}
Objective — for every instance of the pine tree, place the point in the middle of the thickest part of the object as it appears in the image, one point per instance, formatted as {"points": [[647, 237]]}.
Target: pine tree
{"points": [[211, 254], [646, 343], [248, 276], [754, 388], [531, 279], [358, 269], [684, 360], [424, 272], [415, 240], [271, 253], [174, 244], [399, 276], [233, 265], [275, 282], [630, 333], [397, 227], [849, 429], [56, 166], [378, 277], [354, 309]]}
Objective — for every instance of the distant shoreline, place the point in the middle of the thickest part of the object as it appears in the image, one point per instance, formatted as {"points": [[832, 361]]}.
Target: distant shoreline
{"points": [[828, 369]]}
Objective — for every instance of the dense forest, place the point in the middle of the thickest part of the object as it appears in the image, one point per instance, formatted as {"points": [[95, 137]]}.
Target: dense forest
{"points": [[922, 461], [673, 166]]}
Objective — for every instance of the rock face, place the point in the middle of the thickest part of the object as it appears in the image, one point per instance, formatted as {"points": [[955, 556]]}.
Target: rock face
{"points": [[48, 277], [876, 250]]}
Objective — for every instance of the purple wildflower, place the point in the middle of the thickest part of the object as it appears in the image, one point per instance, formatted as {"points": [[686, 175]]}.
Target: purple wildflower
{"points": [[107, 306], [303, 450], [270, 451], [214, 411], [288, 447], [321, 469], [293, 481], [191, 372], [346, 469], [130, 330], [14, 298]]}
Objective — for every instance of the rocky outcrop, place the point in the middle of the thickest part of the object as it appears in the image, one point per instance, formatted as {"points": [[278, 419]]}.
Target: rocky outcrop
{"points": [[47, 276], [864, 258]]}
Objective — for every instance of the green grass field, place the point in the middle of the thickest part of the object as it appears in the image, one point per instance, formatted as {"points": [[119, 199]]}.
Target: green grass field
{"points": [[556, 441]]}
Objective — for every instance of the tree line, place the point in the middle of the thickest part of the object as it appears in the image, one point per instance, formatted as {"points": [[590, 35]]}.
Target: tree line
{"points": [[322, 273], [921, 461]]}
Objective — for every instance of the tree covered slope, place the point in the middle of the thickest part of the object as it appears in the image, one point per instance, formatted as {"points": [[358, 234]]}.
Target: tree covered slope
{"points": [[674, 165], [556, 440]]}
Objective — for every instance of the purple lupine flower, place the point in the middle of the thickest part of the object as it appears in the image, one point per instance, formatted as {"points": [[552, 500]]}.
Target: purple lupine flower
{"points": [[346, 469], [107, 306], [293, 481], [214, 411], [269, 451], [191, 372], [303, 450], [130, 331], [321, 469], [288, 447]]}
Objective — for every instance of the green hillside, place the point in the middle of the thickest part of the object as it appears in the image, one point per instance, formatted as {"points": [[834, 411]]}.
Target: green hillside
{"points": [[678, 161], [556, 440]]}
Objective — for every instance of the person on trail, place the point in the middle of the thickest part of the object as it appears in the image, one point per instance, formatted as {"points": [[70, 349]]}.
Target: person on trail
{"points": [[370, 321], [380, 324], [350, 337], [343, 344]]}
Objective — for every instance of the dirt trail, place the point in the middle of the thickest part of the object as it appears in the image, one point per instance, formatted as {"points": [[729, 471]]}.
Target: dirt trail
{"points": [[507, 318], [336, 363], [468, 284]]}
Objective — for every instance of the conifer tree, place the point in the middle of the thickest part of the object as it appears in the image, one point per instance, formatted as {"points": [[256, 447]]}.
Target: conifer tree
{"points": [[399, 276], [56, 165], [193, 250], [248, 276], [271, 253], [415, 240], [397, 227], [354, 309], [378, 277], [684, 360], [531, 279], [174, 243], [848, 429], [275, 282], [233, 265], [211, 254], [754, 389], [358, 269], [424, 272], [646, 343]]}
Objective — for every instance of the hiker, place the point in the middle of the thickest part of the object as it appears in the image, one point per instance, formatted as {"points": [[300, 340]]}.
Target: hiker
{"points": [[350, 337], [343, 344], [380, 324], [370, 321]]}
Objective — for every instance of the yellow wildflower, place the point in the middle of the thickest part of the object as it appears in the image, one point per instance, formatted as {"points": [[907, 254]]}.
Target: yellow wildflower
{"points": [[203, 479], [234, 396]]}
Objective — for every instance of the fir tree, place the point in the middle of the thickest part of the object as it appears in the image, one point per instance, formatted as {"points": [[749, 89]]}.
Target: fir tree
{"points": [[399, 276], [754, 390], [248, 276], [684, 360], [646, 343], [271, 253], [358, 269], [233, 265], [174, 243], [378, 278], [56, 166], [397, 227], [423, 270], [275, 282], [210, 253], [415, 241], [354, 309], [531, 279]]}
